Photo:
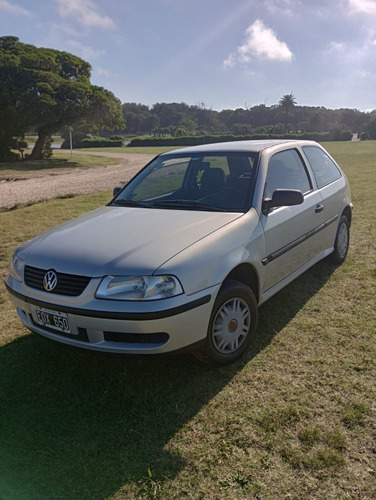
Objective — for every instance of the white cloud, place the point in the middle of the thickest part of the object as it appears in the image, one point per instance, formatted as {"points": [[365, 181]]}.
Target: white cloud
{"points": [[84, 12], [56, 31], [6, 6], [84, 51], [64, 37], [230, 61], [364, 6], [354, 53], [103, 72], [336, 47], [262, 43], [284, 7]]}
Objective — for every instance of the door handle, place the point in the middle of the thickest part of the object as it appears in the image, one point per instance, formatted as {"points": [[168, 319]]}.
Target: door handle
{"points": [[319, 208]]}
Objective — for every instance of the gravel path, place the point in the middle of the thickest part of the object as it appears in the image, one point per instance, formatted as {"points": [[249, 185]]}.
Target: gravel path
{"points": [[46, 184]]}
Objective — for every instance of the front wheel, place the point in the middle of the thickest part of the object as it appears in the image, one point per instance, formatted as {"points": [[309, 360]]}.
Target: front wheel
{"points": [[232, 324], [341, 244]]}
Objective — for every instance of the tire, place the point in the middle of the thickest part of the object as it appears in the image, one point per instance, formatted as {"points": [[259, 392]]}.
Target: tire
{"points": [[232, 324], [341, 243]]}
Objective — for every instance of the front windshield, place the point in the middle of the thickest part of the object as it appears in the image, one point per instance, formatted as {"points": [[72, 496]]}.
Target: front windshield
{"points": [[216, 182]]}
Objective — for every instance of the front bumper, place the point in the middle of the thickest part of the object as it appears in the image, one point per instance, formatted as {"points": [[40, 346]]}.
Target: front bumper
{"points": [[154, 327]]}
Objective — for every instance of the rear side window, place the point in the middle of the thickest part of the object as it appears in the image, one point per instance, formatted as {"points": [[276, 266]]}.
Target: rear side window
{"points": [[286, 171], [324, 169]]}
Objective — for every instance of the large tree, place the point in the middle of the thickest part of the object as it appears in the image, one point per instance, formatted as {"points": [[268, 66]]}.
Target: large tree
{"points": [[48, 89]]}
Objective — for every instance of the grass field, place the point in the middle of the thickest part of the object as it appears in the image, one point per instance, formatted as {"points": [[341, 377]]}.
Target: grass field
{"points": [[58, 161], [296, 418]]}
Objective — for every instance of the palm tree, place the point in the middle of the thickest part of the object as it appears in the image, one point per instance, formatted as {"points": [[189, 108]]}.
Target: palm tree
{"points": [[287, 103]]}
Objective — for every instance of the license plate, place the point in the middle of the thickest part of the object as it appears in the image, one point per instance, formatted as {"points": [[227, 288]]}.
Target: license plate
{"points": [[52, 319]]}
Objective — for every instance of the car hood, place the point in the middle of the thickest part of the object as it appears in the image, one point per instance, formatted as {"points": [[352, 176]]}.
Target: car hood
{"points": [[121, 240]]}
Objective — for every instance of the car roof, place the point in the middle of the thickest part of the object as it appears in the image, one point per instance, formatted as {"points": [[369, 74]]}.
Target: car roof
{"points": [[236, 146]]}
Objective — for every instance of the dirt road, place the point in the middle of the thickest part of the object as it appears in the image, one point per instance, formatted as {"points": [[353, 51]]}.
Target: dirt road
{"points": [[46, 184]]}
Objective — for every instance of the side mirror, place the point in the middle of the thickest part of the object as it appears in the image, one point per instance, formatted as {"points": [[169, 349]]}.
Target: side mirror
{"points": [[116, 190], [282, 198]]}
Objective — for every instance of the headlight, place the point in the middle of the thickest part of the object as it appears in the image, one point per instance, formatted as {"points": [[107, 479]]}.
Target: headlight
{"points": [[16, 268], [138, 287]]}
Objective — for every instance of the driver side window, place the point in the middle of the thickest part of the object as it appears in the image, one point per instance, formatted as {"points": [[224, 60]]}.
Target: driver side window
{"points": [[286, 171]]}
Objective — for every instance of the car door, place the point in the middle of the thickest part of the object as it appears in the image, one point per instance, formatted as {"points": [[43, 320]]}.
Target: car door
{"points": [[331, 185], [292, 237]]}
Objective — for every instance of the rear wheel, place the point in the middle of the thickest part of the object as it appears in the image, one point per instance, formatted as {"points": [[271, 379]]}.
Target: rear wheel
{"points": [[232, 324], [341, 244]]}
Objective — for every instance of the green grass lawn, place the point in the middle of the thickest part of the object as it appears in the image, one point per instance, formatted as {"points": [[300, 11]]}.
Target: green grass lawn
{"points": [[294, 419]]}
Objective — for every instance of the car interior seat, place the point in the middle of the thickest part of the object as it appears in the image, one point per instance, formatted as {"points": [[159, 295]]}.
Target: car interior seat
{"points": [[212, 180]]}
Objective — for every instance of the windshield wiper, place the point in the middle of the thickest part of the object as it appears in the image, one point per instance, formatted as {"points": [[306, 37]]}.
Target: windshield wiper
{"points": [[131, 203], [188, 205]]}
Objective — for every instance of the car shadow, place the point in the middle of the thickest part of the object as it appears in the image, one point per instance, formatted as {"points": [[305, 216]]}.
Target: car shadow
{"points": [[76, 424], [278, 311]]}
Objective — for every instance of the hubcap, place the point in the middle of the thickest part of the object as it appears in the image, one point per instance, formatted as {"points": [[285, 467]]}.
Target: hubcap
{"points": [[343, 240], [231, 325]]}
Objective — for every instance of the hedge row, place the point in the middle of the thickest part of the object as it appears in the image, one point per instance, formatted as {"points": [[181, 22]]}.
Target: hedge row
{"points": [[19, 144], [99, 143], [209, 139]]}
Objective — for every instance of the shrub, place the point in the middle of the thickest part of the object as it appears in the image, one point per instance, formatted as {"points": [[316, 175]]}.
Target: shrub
{"points": [[19, 143], [371, 128], [363, 136], [46, 150], [116, 138], [210, 139], [335, 134], [346, 135], [7, 155]]}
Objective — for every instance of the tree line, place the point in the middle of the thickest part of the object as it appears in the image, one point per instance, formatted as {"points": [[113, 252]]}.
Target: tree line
{"points": [[180, 119]]}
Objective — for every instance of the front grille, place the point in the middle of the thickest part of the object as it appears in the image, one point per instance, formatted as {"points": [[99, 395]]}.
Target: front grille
{"points": [[136, 338], [67, 284]]}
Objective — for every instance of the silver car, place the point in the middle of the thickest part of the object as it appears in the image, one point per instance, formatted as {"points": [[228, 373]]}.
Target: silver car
{"points": [[186, 251]]}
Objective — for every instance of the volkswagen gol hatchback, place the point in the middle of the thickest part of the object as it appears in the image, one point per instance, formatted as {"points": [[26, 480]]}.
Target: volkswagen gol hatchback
{"points": [[186, 251]]}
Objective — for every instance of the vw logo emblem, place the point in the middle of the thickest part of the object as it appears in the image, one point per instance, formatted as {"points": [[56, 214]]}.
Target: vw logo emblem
{"points": [[50, 280]]}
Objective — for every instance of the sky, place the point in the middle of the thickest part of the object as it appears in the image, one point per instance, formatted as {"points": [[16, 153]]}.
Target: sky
{"points": [[221, 54]]}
